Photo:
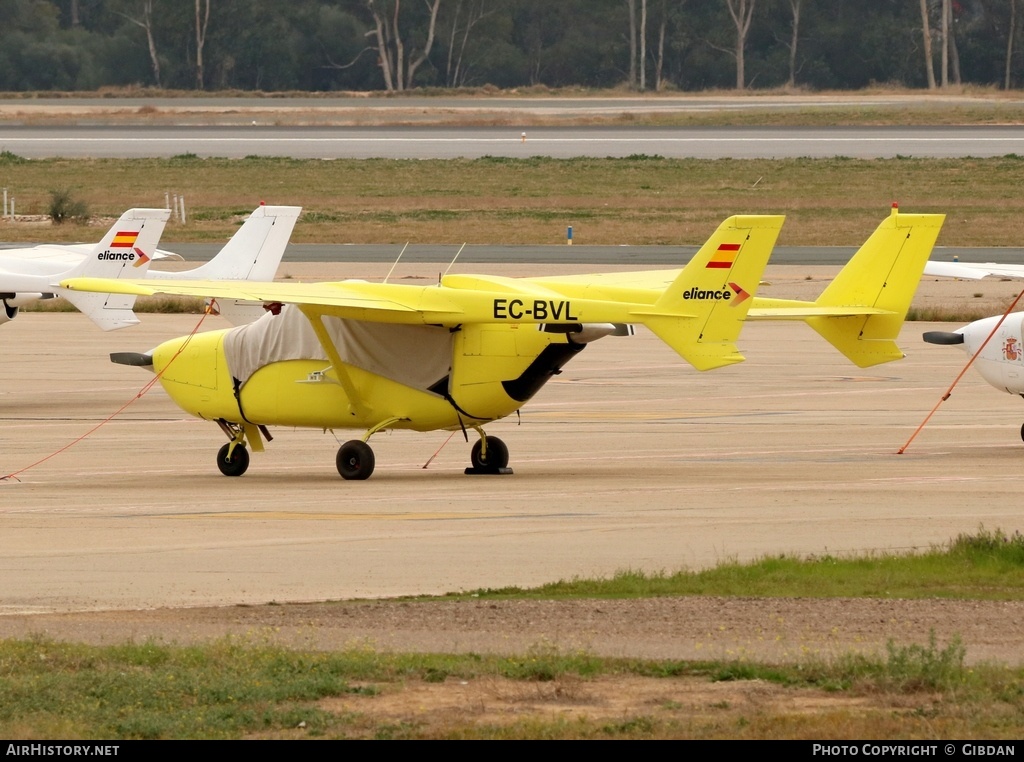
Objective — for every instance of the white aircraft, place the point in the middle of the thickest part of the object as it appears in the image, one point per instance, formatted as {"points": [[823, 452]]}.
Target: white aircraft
{"points": [[31, 274], [1001, 362]]}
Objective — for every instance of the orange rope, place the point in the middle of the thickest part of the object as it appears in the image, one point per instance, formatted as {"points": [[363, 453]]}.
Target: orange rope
{"points": [[431, 458], [956, 381], [149, 385]]}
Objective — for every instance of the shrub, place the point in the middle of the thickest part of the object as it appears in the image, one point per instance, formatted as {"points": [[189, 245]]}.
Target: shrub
{"points": [[64, 206]]}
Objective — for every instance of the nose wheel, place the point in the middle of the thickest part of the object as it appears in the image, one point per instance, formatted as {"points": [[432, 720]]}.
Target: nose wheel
{"points": [[233, 459], [355, 460]]}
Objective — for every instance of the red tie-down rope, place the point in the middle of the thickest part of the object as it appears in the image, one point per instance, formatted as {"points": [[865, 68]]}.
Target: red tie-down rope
{"points": [[956, 381], [152, 382]]}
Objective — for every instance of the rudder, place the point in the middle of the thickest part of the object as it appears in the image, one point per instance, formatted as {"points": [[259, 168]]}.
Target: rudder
{"points": [[701, 313], [882, 276]]}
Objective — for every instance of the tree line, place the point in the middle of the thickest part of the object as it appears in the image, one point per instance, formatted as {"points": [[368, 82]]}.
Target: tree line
{"points": [[647, 45]]}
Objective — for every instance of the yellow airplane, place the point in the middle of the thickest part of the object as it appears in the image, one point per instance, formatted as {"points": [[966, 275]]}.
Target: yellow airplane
{"points": [[475, 348]]}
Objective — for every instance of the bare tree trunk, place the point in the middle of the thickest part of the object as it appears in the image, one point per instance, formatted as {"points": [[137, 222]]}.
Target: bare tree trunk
{"points": [[146, 23], [945, 43], [75, 19], [659, 65], [794, 6], [448, 75], [201, 41], [396, 37], [643, 45], [383, 49], [1009, 43], [927, 32], [415, 63], [631, 7], [954, 54], [742, 11], [391, 47], [473, 16]]}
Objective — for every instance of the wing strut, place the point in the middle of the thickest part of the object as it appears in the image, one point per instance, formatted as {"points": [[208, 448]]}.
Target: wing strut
{"points": [[344, 379]]}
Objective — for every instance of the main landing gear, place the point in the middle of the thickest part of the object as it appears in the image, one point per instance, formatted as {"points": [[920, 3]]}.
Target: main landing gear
{"points": [[489, 456], [355, 459]]}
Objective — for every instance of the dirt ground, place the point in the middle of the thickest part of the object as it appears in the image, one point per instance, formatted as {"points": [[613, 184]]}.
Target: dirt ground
{"points": [[692, 628]]}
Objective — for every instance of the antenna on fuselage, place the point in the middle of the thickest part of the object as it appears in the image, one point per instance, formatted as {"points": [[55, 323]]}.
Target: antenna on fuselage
{"points": [[396, 262], [452, 262]]}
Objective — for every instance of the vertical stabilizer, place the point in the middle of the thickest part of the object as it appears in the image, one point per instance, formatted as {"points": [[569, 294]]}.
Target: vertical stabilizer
{"points": [[254, 251], [701, 313], [882, 275], [125, 251]]}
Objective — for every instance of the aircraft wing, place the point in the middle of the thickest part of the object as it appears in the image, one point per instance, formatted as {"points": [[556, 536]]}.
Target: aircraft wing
{"points": [[972, 270], [350, 299]]}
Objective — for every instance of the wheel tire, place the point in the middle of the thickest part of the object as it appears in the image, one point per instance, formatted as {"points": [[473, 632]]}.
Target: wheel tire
{"points": [[355, 460], [1022, 432], [239, 460], [497, 454]]}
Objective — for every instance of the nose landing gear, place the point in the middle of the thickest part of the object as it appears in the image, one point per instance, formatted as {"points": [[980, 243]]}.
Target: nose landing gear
{"points": [[233, 459]]}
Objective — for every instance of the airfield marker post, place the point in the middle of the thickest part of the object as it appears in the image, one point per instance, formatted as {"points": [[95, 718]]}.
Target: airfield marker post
{"points": [[568, 239]]}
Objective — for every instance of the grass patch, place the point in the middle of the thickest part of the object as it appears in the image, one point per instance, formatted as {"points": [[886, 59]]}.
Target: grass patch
{"points": [[949, 313], [639, 200], [235, 689], [988, 565], [159, 304]]}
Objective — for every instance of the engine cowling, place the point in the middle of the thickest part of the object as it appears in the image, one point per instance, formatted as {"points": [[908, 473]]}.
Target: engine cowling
{"points": [[1001, 362]]}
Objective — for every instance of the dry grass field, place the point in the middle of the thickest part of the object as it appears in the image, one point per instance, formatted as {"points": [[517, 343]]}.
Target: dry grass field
{"points": [[637, 201]]}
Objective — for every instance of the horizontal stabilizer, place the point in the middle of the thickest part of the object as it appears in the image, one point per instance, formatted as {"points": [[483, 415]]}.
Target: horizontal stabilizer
{"points": [[677, 333]]}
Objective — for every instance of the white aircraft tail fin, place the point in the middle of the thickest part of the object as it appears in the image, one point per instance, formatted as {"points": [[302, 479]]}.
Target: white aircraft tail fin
{"points": [[125, 251], [253, 253]]}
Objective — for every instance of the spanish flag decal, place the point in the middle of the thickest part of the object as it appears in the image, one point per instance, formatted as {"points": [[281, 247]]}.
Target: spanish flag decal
{"points": [[724, 257], [124, 239], [142, 258]]}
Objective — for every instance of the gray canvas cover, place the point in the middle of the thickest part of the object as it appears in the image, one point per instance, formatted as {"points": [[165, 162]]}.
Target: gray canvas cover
{"points": [[415, 355]]}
